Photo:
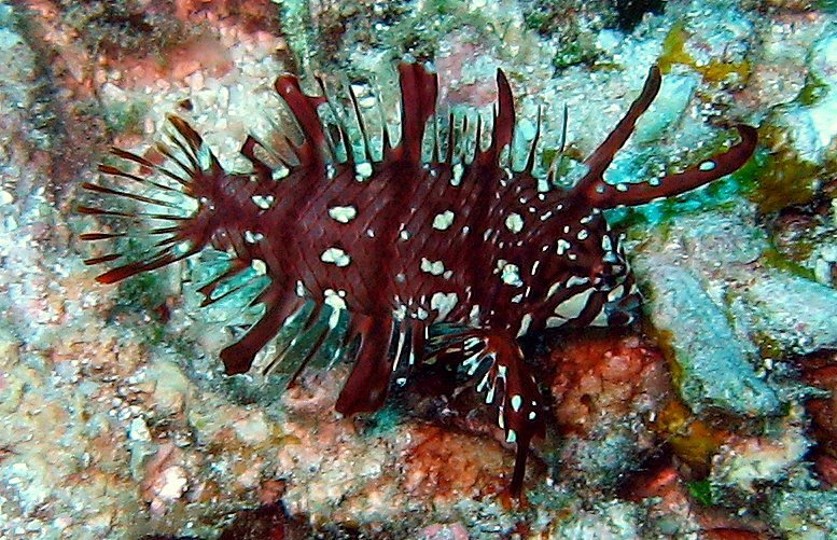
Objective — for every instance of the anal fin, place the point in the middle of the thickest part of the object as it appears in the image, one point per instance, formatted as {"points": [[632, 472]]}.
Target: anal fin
{"points": [[495, 360]]}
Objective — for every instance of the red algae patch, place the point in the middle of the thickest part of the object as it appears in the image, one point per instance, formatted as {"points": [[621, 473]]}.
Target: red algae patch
{"points": [[605, 376], [822, 373], [449, 466], [204, 53], [250, 15]]}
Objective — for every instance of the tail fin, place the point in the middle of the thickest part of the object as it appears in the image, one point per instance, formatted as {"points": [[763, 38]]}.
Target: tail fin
{"points": [[177, 186]]}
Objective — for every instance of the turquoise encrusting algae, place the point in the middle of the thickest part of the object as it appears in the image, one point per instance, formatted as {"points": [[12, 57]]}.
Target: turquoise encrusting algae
{"points": [[145, 438]]}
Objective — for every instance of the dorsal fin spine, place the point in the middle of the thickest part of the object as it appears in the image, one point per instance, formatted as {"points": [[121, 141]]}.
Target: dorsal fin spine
{"points": [[419, 90]]}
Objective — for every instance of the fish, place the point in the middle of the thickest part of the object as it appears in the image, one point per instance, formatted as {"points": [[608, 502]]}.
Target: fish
{"points": [[430, 250]]}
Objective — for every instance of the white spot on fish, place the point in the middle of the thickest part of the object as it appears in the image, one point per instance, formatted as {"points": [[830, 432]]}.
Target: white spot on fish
{"points": [[532, 415], [300, 289], [436, 268], [263, 201], [259, 266], [572, 306], [458, 170], [342, 214], [622, 187], [553, 289], [489, 397], [516, 402], [563, 246], [600, 319], [511, 275], [251, 238], [474, 315], [337, 303], [335, 256], [472, 364], [607, 245], [514, 222], [363, 170], [576, 280], [511, 436], [405, 235], [400, 312], [443, 221], [582, 234], [707, 166], [472, 342], [524, 324], [501, 369], [443, 303]]}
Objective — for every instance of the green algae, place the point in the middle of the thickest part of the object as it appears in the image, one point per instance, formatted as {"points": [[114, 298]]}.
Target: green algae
{"points": [[773, 258], [828, 6], [674, 48], [578, 51], [701, 491], [779, 177], [813, 91], [715, 71]]}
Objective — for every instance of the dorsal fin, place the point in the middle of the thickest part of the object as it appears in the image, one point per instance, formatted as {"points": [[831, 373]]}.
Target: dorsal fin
{"points": [[304, 109], [503, 129], [419, 89]]}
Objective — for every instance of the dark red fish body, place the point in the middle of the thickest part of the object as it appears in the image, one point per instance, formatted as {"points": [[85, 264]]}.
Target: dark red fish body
{"points": [[403, 244]]}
